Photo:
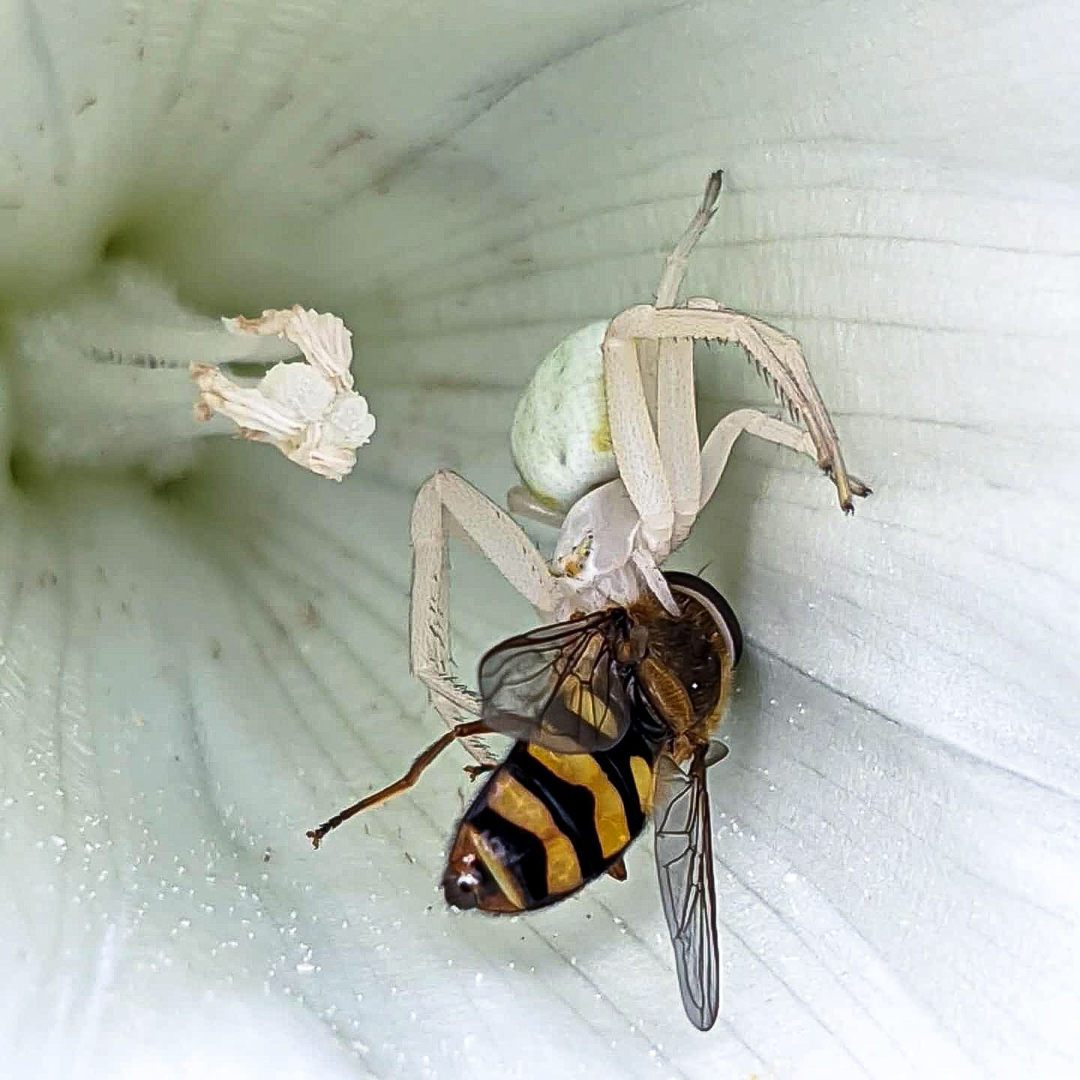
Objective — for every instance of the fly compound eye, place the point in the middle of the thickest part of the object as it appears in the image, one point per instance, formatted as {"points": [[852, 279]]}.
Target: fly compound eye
{"points": [[709, 598], [574, 563]]}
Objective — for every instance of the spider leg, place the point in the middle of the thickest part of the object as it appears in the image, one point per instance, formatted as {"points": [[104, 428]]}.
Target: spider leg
{"points": [[777, 355], [503, 543], [677, 433], [667, 292], [717, 448], [520, 500], [658, 468], [637, 451], [675, 266], [523, 502]]}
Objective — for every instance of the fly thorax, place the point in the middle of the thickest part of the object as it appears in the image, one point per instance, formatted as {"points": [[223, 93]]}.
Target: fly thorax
{"points": [[668, 694]]}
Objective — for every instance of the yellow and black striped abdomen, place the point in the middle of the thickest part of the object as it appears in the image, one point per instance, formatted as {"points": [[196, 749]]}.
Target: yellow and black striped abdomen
{"points": [[545, 824]]}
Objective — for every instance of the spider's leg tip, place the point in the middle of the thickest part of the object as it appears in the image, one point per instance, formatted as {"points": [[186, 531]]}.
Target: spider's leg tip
{"points": [[712, 191], [859, 487]]}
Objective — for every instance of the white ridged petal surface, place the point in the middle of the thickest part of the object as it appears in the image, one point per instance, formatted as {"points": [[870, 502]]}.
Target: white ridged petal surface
{"points": [[193, 675]]}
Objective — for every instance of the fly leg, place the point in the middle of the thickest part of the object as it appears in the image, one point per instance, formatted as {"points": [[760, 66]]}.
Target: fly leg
{"points": [[460, 731]]}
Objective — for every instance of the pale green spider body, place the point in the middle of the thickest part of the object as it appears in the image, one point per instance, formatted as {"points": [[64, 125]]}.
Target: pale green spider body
{"points": [[560, 438]]}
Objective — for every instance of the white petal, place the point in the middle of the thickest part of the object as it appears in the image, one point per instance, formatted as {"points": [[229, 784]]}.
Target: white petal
{"points": [[322, 452], [206, 672]]}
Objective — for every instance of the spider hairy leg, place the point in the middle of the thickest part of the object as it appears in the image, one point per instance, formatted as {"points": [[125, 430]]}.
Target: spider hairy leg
{"points": [[636, 450], [503, 542], [717, 449], [777, 355], [677, 433], [560, 437], [653, 356]]}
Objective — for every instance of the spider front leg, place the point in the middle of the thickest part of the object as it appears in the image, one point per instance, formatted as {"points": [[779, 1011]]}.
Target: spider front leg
{"points": [[777, 355], [504, 544], [717, 449], [676, 433], [667, 293], [560, 437]]}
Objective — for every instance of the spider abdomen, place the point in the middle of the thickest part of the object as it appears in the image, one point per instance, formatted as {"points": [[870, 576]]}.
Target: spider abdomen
{"points": [[561, 438]]}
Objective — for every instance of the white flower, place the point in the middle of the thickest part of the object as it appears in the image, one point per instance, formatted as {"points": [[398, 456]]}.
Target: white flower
{"points": [[203, 648]]}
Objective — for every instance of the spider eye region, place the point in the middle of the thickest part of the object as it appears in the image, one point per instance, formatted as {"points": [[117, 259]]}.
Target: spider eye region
{"points": [[576, 563]]}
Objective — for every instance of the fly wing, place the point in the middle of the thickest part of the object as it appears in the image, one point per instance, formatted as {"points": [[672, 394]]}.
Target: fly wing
{"points": [[559, 686], [684, 864]]}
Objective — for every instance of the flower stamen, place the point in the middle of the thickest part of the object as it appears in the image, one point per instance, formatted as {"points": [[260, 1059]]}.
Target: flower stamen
{"points": [[308, 409]]}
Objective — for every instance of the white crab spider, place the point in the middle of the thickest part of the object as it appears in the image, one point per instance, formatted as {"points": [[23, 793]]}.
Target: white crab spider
{"points": [[615, 537]]}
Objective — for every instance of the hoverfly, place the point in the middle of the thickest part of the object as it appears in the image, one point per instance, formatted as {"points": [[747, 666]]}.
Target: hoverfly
{"points": [[614, 714]]}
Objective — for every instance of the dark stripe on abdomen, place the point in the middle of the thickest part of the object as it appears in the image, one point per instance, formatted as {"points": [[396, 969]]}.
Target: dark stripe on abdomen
{"points": [[571, 806], [520, 851], [616, 764]]}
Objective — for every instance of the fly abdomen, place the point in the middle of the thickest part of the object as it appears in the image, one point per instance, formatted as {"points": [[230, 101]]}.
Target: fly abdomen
{"points": [[545, 824]]}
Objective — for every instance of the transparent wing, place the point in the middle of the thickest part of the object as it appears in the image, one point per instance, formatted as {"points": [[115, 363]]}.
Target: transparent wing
{"points": [[685, 866], [559, 686]]}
